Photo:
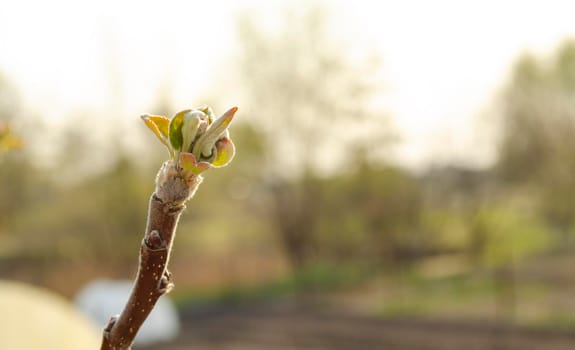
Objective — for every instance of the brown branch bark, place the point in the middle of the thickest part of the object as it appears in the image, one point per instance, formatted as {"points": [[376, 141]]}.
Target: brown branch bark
{"points": [[153, 278]]}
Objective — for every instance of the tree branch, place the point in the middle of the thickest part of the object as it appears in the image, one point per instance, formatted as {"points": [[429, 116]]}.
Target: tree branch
{"points": [[153, 278], [197, 141]]}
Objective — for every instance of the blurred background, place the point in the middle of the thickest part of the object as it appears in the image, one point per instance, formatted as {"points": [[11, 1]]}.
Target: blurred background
{"points": [[403, 177]]}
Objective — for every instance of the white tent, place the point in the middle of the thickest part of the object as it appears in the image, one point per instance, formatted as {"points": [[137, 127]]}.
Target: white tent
{"points": [[101, 299]]}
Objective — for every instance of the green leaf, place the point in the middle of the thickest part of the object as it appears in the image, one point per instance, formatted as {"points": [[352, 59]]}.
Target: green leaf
{"points": [[159, 126], [225, 152], [175, 130]]}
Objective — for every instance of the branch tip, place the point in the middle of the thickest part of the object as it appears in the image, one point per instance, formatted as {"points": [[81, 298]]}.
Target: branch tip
{"points": [[176, 182]]}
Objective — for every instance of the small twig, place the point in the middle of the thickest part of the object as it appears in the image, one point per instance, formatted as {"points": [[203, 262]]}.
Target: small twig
{"points": [[153, 277], [196, 141]]}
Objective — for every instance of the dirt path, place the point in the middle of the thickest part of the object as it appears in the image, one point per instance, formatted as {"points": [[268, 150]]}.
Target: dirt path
{"points": [[283, 328]]}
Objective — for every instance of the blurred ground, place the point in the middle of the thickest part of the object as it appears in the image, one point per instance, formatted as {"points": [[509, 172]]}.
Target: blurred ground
{"points": [[289, 326], [416, 309]]}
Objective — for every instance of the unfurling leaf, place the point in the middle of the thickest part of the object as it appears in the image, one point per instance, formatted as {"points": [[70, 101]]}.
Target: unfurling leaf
{"points": [[175, 131], [191, 128], [216, 130], [159, 126]]}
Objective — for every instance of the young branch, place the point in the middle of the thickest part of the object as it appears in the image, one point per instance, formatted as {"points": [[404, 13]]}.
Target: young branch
{"points": [[197, 141], [153, 277]]}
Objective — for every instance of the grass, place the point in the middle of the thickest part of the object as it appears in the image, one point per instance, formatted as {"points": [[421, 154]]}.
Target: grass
{"points": [[476, 297], [407, 293], [317, 278], [558, 321], [416, 296]]}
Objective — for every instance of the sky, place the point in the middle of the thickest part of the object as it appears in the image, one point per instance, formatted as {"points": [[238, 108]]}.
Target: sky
{"points": [[443, 61]]}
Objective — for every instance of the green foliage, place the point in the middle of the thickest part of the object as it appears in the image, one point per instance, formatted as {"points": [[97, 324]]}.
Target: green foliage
{"points": [[538, 134], [510, 235], [463, 296], [449, 227], [318, 277], [22, 178], [537, 122], [377, 204], [78, 223], [176, 136]]}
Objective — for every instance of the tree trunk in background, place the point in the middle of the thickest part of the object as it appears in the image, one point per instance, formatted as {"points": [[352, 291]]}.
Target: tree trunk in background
{"points": [[294, 214]]}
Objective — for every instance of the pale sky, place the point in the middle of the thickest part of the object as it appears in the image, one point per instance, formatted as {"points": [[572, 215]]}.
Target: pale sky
{"points": [[443, 61]]}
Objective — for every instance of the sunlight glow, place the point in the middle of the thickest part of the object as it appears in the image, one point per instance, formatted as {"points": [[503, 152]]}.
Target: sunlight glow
{"points": [[442, 60]]}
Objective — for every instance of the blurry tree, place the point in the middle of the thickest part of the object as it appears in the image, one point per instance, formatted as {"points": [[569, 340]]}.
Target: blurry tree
{"points": [[19, 173], [452, 197], [538, 133], [79, 221], [10, 173], [535, 157], [15, 170], [314, 104], [123, 192], [509, 235], [376, 211]]}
